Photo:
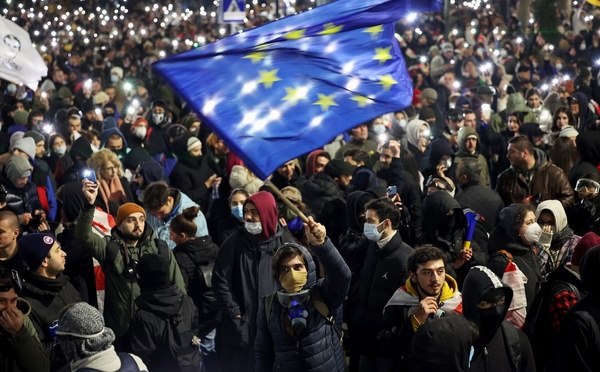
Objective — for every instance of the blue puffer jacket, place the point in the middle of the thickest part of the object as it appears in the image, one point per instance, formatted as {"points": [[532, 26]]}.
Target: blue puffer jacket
{"points": [[161, 227], [317, 347]]}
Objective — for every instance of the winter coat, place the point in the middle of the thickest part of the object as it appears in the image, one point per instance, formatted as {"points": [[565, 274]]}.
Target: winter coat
{"points": [[368, 145], [384, 270], [189, 175], [491, 352], [107, 360], [515, 102], [228, 227], [47, 298], [180, 203], [588, 147], [23, 351], [587, 118], [318, 190], [40, 177], [579, 347], [147, 333], [21, 200], [241, 276], [120, 291], [503, 237], [412, 136], [318, 346], [462, 152], [547, 182], [482, 200], [190, 255]]}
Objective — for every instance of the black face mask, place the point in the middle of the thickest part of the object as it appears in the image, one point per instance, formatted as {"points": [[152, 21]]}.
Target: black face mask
{"points": [[490, 321], [446, 229]]}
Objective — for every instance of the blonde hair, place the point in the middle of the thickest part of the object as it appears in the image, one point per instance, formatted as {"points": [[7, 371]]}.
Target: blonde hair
{"points": [[99, 160], [212, 140]]}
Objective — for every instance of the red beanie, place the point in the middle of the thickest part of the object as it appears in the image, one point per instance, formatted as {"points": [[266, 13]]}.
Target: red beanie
{"points": [[586, 242]]}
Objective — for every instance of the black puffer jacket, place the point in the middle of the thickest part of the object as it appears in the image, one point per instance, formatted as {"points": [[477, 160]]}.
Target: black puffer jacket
{"points": [[195, 257], [317, 347], [318, 190], [588, 147], [47, 298], [23, 200], [503, 237]]}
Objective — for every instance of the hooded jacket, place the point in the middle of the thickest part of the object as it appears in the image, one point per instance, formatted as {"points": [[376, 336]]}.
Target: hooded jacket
{"points": [[588, 147], [241, 276], [447, 231], [587, 118], [180, 202], [412, 135], [318, 190], [148, 327], [438, 148], [310, 161], [557, 248], [547, 182], [505, 237], [462, 152], [580, 329], [515, 102], [318, 346], [47, 298], [23, 352], [491, 349], [120, 291]]}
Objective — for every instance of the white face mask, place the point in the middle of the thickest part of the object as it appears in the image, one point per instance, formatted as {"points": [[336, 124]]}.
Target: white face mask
{"points": [[140, 132], [447, 163], [379, 128], [253, 228], [371, 233], [114, 78], [158, 118], [95, 148], [60, 150], [533, 233], [402, 123], [559, 66], [582, 46]]}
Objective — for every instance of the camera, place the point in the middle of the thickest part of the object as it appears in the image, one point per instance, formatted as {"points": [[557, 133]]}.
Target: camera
{"points": [[130, 270], [297, 314]]}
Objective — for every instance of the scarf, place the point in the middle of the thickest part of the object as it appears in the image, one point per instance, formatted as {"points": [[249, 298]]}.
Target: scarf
{"points": [[112, 191]]}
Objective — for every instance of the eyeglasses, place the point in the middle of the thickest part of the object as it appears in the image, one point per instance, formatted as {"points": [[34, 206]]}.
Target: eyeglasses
{"points": [[588, 184]]}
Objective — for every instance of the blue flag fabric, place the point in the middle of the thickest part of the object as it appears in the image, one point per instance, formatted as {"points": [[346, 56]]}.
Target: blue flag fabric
{"points": [[278, 91]]}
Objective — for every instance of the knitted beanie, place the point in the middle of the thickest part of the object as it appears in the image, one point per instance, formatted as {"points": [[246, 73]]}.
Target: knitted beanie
{"points": [[27, 145], [153, 273], [81, 332], [34, 248], [20, 117], [584, 244], [37, 137], [192, 143], [15, 137], [126, 209]]}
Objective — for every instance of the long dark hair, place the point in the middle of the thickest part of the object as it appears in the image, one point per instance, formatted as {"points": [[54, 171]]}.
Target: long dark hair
{"points": [[564, 154], [559, 110]]}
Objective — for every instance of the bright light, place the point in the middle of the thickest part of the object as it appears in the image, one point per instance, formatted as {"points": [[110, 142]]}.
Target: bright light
{"points": [[411, 17]]}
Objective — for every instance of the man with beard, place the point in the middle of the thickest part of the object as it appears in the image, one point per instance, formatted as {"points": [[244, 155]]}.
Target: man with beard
{"points": [[119, 254], [532, 178], [429, 293]]}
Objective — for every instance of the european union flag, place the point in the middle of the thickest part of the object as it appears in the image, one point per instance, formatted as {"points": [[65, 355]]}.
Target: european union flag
{"points": [[281, 90]]}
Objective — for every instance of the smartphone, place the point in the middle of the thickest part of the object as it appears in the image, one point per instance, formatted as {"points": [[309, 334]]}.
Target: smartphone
{"points": [[391, 191], [89, 175]]}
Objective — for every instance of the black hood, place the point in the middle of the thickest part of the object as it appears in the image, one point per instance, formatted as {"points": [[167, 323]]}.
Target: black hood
{"points": [[442, 344], [478, 283], [201, 250], [320, 185], [164, 302], [40, 286], [589, 268], [355, 204], [435, 211], [439, 148], [588, 146], [583, 104]]}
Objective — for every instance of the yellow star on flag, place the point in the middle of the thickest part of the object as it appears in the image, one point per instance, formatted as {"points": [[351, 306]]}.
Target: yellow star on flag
{"points": [[268, 77], [387, 81], [295, 35], [294, 95], [362, 100], [256, 56], [374, 31], [330, 29], [382, 54], [325, 101]]}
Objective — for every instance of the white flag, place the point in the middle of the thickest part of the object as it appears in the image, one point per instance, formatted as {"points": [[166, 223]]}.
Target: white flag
{"points": [[20, 62]]}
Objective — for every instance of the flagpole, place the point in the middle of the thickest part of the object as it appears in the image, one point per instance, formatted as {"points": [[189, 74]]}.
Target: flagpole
{"points": [[286, 201]]}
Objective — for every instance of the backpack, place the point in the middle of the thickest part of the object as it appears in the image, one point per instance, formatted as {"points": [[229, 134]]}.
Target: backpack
{"points": [[180, 338], [113, 248], [513, 345], [318, 303], [128, 364], [200, 287], [538, 324]]}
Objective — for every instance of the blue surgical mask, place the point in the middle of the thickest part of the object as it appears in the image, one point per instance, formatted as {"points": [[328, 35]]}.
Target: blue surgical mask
{"points": [[238, 211], [371, 233]]}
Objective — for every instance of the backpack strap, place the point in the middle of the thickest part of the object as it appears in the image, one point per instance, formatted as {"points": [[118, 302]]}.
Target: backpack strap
{"points": [[321, 306], [128, 363], [506, 254], [513, 344], [268, 304]]}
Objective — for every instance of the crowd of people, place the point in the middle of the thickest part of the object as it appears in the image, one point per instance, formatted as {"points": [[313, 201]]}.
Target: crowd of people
{"points": [[459, 233]]}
